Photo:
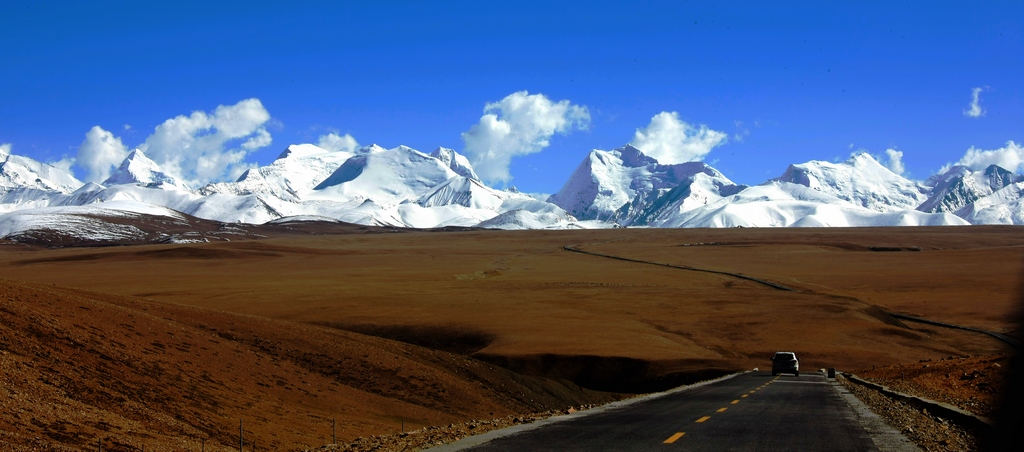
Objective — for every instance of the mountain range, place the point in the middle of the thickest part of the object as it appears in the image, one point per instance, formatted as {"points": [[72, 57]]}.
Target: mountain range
{"points": [[403, 187]]}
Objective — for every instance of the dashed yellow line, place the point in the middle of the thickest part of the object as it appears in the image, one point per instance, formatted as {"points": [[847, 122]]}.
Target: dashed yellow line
{"points": [[734, 402], [722, 410], [744, 396], [673, 438], [703, 418]]}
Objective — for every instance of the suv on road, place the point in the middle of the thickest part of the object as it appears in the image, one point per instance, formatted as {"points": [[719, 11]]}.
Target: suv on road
{"points": [[785, 362]]}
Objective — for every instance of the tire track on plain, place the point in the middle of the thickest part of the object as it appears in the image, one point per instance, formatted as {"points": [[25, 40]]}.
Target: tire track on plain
{"points": [[770, 284]]}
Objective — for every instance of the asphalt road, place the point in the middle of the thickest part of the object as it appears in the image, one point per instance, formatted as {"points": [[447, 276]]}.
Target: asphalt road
{"points": [[753, 411]]}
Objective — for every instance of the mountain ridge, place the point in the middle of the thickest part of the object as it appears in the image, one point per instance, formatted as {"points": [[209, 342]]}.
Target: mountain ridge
{"points": [[623, 187]]}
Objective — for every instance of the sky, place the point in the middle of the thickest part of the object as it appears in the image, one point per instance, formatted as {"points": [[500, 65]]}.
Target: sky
{"points": [[525, 89]]}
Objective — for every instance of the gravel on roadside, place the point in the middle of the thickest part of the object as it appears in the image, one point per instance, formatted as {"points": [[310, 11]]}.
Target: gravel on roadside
{"points": [[929, 432], [428, 437]]}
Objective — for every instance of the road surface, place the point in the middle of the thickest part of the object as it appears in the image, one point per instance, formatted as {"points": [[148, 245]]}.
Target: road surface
{"points": [[752, 411]]}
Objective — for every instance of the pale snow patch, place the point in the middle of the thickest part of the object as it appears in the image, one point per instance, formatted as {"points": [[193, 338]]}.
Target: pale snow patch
{"points": [[5, 149], [671, 140], [520, 124]]}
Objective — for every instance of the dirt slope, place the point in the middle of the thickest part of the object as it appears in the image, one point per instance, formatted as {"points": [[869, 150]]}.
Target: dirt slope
{"points": [[77, 367]]}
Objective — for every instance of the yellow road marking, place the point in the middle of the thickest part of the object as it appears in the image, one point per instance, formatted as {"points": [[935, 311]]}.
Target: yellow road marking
{"points": [[673, 438], [744, 396], [753, 391], [734, 402], [722, 410], [703, 418]]}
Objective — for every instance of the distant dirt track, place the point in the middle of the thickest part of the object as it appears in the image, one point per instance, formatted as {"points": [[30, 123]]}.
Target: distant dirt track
{"points": [[684, 267], [1009, 340]]}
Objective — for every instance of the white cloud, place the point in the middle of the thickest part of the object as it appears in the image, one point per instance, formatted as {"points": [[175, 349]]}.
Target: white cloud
{"points": [[100, 154], [1010, 157], [894, 161], [338, 143], [670, 140], [5, 149], [974, 110], [520, 124], [741, 132], [205, 147], [65, 164]]}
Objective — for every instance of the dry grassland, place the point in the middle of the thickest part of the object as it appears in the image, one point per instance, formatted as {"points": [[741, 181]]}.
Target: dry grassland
{"points": [[518, 298]]}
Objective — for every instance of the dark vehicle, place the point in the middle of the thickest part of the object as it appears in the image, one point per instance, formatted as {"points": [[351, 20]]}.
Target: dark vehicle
{"points": [[785, 362]]}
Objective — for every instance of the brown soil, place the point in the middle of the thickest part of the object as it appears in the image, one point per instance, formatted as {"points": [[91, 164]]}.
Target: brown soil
{"points": [[519, 300], [972, 383], [80, 367]]}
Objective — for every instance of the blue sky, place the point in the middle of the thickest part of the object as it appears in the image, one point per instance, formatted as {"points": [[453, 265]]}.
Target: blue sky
{"points": [[785, 83]]}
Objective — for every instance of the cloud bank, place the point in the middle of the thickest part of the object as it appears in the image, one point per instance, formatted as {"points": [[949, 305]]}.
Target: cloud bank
{"points": [[671, 140], [520, 124], [974, 110], [1010, 157], [338, 143], [198, 148], [894, 161], [100, 154]]}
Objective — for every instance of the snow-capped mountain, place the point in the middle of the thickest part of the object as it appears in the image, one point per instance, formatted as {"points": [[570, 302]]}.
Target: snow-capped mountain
{"points": [[137, 169], [400, 187], [861, 180], [403, 187], [958, 187], [625, 185], [455, 161], [463, 191], [387, 177], [784, 204], [22, 172], [297, 170], [706, 185], [1005, 206]]}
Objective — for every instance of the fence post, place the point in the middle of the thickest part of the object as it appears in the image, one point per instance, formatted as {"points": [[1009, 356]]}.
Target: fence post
{"points": [[239, 435], [334, 432]]}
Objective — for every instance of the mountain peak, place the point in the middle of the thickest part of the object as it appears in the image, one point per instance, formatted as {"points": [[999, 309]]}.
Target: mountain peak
{"points": [[620, 184], [457, 162], [860, 180], [633, 157], [22, 172], [301, 150], [137, 169]]}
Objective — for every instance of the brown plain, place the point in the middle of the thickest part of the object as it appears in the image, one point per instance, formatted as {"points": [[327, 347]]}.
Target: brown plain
{"points": [[520, 301]]}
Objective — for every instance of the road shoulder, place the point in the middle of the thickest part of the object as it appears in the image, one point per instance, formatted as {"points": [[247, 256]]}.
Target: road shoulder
{"points": [[886, 438]]}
